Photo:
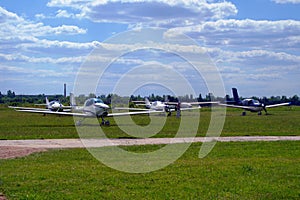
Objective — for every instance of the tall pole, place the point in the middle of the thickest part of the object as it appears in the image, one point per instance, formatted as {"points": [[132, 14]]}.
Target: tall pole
{"points": [[65, 90]]}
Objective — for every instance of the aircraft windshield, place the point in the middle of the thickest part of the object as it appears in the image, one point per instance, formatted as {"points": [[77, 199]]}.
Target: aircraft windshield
{"points": [[98, 101], [255, 101]]}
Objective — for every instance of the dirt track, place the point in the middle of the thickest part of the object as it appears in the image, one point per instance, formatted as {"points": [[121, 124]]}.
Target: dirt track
{"points": [[20, 148]]}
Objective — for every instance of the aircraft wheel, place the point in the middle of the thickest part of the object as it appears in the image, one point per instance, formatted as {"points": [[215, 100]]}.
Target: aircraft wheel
{"points": [[259, 113], [243, 113], [107, 123]]}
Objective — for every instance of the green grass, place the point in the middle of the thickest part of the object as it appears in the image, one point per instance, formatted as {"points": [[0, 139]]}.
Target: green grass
{"points": [[251, 170], [281, 121]]}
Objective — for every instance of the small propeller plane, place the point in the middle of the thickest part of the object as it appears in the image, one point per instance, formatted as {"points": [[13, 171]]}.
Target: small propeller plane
{"points": [[55, 106], [168, 107], [93, 107], [52, 106], [251, 105]]}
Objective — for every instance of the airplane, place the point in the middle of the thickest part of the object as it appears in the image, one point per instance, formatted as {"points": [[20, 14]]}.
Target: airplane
{"points": [[251, 105], [93, 107], [55, 106], [52, 106], [152, 106], [165, 106]]}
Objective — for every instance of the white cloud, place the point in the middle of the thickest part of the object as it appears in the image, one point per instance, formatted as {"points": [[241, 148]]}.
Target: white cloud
{"points": [[64, 14], [22, 41], [24, 58], [286, 1], [243, 49], [164, 13], [250, 34], [35, 72], [8, 16], [253, 58], [12, 24]]}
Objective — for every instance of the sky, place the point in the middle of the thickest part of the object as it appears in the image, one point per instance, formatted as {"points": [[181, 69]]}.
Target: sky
{"points": [[255, 45]]}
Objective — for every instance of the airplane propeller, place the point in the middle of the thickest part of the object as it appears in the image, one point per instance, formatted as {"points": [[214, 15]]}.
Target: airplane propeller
{"points": [[264, 107]]}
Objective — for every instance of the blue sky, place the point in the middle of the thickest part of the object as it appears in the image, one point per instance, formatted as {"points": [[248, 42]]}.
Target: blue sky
{"points": [[254, 44]]}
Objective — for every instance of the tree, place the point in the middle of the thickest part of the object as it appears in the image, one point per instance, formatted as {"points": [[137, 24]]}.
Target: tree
{"points": [[10, 94], [295, 100]]}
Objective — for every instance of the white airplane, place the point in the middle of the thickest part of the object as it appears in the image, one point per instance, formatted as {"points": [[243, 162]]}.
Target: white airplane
{"points": [[52, 106], [55, 106], [166, 106], [251, 105], [150, 106], [92, 107]]}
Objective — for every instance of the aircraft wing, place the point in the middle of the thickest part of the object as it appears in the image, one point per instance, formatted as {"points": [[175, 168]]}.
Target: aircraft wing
{"points": [[276, 105], [133, 113], [129, 109], [66, 107], [90, 115], [56, 113], [236, 106], [194, 108], [138, 101], [28, 108], [143, 109], [194, 103], [205, 102]]}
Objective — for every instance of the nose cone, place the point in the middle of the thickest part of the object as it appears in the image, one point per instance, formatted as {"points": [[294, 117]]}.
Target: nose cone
{"points": [[56, 105], [102, 105]]}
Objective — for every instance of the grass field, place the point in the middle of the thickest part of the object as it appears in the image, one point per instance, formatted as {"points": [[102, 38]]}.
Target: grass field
{"points": [[281, 121], [247, 170], [251, 170]]}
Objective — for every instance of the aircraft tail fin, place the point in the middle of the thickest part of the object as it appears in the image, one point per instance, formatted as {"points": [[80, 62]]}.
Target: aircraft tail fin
{"points": [[72, 100], [235, 95], [147, 103], [47, 103]]}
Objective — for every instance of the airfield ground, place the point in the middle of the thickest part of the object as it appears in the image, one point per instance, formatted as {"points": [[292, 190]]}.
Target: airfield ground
{"points": [[233, 170], [20, 148]]}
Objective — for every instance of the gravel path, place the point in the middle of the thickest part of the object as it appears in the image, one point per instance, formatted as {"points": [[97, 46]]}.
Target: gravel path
{"points": [[19, 148]]}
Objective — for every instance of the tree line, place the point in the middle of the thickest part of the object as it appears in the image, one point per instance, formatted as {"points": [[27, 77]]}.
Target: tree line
{"points": [[10, 98]]}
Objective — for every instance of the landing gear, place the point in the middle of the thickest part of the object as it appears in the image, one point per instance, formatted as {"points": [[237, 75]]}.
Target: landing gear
{"points": [[244, 113], [105, 122], [259, 113]]}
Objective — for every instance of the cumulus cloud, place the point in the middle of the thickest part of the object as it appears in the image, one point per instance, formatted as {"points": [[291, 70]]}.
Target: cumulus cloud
{"points": [[251, 34], [286, 1], [163, 13], [8, 16], [12, 24], [22, 38], [239, 47], [252, 58], [23, 58], [33, 72]]}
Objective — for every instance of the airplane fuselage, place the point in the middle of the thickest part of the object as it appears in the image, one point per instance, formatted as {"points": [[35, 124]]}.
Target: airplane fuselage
{"points": [[156, 105], [254, 105], [55, 106], [94, 107]]}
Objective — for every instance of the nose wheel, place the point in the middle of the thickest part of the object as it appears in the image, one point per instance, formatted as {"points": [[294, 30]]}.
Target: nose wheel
{"points": [[105, 122]]}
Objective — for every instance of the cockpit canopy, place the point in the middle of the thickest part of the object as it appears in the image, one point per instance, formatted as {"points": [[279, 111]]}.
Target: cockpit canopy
{"points": [[249, 102], [92, 101]]}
